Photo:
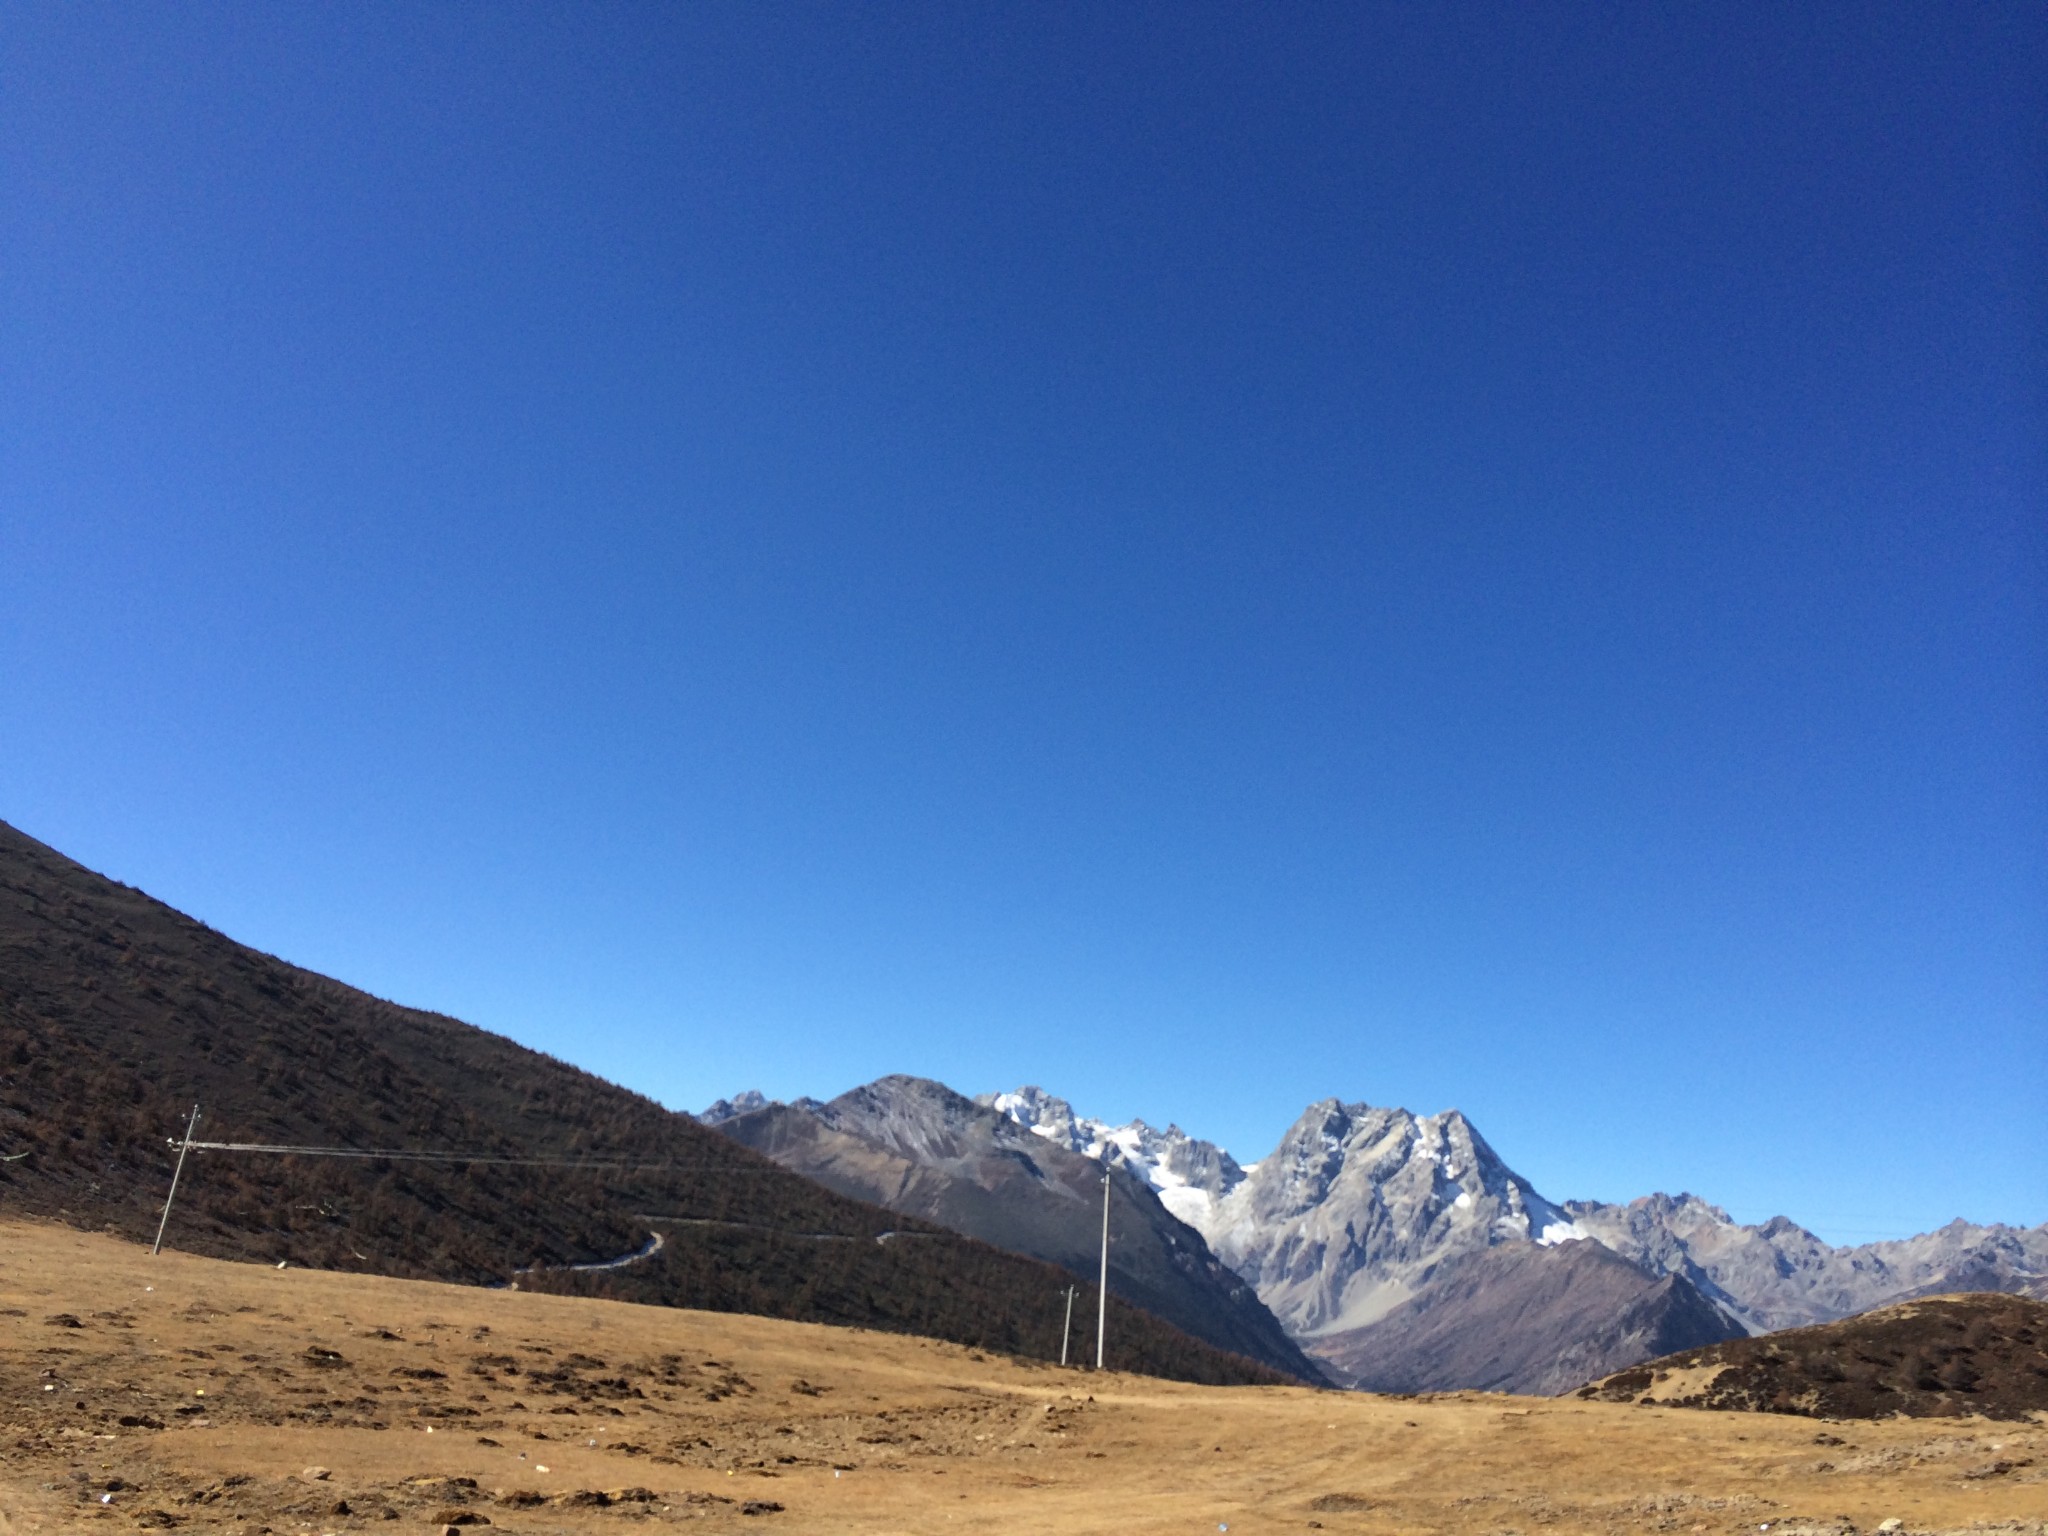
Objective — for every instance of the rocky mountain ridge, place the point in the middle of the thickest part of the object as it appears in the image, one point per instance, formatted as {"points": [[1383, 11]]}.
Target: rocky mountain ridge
{"points": [[1345, 1220], [1191, 1176], [1358, 1207], [1776, 1274]]}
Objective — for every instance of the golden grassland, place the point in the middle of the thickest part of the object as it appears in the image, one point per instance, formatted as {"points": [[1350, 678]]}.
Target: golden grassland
{"points": [[186, 1394]]}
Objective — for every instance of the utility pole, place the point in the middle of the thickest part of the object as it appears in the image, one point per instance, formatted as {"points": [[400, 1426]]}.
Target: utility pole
{"points": [[183, 1147], [1102, 1304], [1067, 1329]]}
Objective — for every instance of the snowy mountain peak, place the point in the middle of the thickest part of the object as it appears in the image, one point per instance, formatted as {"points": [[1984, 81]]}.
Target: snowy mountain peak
{"points": [[1434, 1165], [1353, 1210], [1359, 1206], [1190, 1176], [1041, 1114]]}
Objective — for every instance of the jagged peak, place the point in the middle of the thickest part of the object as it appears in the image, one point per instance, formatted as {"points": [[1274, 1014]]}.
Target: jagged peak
{"points": [[900, 1094], [1029, 1096], [742, 1103], [1785, 1226], [1686, 1200]]}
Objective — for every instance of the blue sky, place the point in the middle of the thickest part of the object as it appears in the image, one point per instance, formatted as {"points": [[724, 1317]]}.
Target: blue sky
{"points": [[1201, 556]]}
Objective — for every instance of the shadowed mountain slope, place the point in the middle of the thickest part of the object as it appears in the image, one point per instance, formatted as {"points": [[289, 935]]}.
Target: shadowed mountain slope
{"points": [[918, 1147], [1938, 1357], [1524, 1318], [118, 1013]]}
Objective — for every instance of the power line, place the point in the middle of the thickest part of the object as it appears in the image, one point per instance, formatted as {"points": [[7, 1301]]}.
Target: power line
{"points": [[493, 1159], [186, 1145]]}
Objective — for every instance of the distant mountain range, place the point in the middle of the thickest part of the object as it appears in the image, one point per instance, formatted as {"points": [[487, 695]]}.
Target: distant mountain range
{"points": [[1779, 1275], [1402, 1253]]}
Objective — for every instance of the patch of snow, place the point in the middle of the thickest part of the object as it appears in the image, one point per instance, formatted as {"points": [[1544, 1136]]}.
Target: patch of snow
{"points": [[1190, 1176]]}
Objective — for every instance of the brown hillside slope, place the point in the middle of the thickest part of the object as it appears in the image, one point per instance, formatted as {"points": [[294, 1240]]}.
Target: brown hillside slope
{"points": [[319, 1388], [117, 1013], [1942, 1356]]}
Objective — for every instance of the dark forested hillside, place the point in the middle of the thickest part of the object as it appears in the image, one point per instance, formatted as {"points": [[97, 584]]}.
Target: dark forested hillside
{"points": [[117, 1014]]}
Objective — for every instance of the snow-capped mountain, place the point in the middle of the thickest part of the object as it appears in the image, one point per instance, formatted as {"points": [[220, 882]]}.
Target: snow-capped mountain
{"points": [[1190, 1176], [1350, 1214], [1359, 1207]]}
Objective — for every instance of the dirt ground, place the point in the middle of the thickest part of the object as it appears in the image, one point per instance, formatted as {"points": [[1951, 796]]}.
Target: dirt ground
{"points": [[193, 1395]]}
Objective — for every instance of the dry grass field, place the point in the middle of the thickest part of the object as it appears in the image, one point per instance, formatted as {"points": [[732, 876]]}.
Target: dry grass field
{"points": [[195, 1395]]}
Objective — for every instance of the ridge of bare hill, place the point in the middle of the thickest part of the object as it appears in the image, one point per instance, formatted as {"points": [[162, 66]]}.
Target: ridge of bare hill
{"points": [[1936, 1357], [117, 1013], [918, 1147]]}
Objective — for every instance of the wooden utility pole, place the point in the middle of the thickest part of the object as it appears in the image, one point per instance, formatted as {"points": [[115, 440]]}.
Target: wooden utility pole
{"points": [[183, 1147], [1067, 1328]]}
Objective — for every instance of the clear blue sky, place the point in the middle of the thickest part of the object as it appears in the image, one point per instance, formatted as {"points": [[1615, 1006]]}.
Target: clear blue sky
{"points": [[1204, 557]]}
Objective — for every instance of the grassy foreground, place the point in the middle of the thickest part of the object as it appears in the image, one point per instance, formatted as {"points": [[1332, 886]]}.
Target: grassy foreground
{"points": [[193, 1394]]}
